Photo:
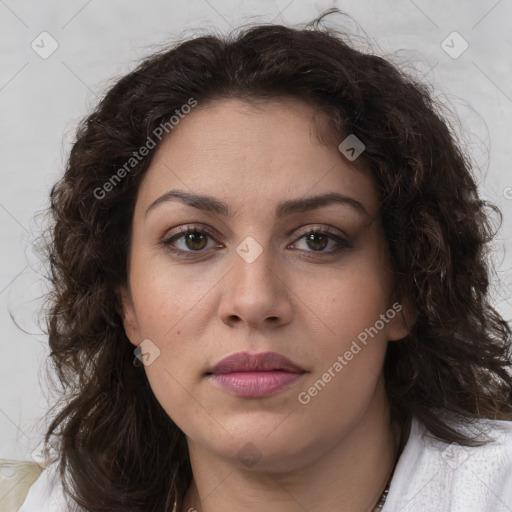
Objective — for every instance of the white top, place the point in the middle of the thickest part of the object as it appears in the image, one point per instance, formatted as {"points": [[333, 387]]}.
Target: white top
{"points": [[431, 476]]}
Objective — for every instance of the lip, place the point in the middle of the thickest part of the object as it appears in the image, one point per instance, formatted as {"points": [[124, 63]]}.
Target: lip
{"points": [[254, 362], [255, 375]]}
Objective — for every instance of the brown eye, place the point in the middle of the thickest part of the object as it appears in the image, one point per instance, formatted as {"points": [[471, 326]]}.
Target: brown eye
{"points": [[188, 241], [317, 240], [195, 240]]}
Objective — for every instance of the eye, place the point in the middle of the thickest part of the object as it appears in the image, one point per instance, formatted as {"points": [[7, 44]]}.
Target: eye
{"points": [[318, 239], [189, 240]]}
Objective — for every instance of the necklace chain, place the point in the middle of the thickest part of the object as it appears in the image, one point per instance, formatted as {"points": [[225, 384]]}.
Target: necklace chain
{"points": [[382, 499]]}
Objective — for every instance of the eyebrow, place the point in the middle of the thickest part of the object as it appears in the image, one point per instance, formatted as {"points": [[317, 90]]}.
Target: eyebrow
{"points": [[283, 209]]}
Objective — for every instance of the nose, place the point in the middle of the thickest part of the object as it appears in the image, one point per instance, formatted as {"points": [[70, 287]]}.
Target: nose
{"points": [[255, 293]]}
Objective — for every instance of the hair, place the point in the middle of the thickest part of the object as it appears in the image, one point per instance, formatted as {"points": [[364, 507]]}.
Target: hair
{"points": [[117, 445]]}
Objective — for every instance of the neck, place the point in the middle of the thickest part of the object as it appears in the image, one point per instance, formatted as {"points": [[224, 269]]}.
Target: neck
{"points": [[350, 475]]}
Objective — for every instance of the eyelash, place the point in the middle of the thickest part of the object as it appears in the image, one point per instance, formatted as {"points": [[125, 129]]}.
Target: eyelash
{"points": [[167, 243]]}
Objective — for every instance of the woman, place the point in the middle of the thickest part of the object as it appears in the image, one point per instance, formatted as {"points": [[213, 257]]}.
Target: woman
{"points": [[270, 292]]}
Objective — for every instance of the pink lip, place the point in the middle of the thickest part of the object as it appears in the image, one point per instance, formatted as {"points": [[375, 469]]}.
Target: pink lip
{"points": [[255, 375]]}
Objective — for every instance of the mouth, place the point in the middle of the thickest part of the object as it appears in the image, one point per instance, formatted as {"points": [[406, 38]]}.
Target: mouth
{"points": [[255, 375]]}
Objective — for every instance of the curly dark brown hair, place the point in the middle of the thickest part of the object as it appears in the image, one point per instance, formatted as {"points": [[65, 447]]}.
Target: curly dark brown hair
{"points": [[118, 448]]}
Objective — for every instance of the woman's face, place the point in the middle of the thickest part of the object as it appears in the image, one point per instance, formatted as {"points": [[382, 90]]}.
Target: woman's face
{"points": [[250, 279]]}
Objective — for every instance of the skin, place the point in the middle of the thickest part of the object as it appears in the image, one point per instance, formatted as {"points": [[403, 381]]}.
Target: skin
{"points": [[298, 299]]}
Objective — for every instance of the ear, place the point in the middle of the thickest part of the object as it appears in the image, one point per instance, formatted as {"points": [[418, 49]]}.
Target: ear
{"points": [[126, 310], [402, 322]]}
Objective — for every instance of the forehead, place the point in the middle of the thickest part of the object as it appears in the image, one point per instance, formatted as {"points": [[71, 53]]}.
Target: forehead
{"points": [[262, 151]]}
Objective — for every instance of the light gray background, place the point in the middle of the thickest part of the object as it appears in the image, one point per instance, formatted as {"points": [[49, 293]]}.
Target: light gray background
{"points": [[42, 99]]}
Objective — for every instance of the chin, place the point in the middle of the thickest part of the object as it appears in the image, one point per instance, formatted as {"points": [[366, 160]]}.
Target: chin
{"points": [[276, 448]]}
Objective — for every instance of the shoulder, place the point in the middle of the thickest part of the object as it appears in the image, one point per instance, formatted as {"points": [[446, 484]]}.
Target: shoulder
{"points": [[25, 486], [433, 476]]}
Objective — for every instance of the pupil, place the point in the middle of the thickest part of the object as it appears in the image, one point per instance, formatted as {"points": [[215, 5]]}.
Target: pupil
{"points": [[311, 238], [193, 238]]}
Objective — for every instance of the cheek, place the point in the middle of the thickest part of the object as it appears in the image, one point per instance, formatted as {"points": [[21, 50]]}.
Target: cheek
{"points": [[168, 307], [167, 297], [349, 350], [350, 304], [352, 314], [349, 357]]}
